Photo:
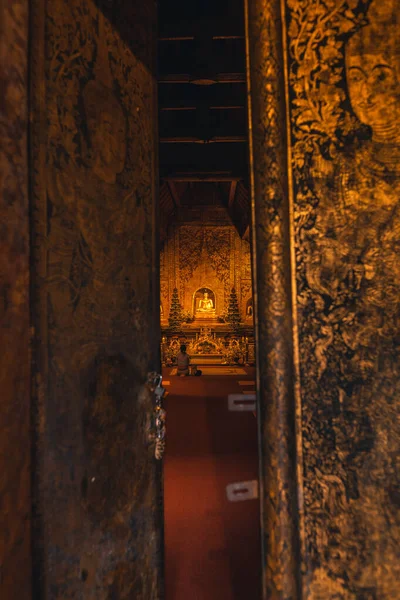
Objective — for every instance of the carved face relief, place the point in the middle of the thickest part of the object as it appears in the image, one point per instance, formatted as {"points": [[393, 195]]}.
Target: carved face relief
{"points": [[374, 92]]}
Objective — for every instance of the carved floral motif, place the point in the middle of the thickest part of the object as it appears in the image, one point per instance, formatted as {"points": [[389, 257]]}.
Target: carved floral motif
{"points": [[218, 244], [191, 240], [347, 227], [211, 243]]}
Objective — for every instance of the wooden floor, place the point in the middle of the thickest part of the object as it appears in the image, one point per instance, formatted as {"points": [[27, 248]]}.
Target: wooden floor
{"points": [[212, 545]]}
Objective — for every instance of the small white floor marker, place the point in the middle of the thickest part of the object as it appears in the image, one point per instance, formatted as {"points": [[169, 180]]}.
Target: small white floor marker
{"points": [[242, 490], [242, 402]]}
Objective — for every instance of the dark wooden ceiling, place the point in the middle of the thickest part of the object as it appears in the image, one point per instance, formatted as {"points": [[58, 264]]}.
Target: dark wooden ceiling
{"points": [[202, 104]]}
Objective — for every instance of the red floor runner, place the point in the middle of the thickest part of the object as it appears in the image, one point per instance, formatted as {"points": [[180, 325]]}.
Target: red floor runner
{"points": [[212, 546]]}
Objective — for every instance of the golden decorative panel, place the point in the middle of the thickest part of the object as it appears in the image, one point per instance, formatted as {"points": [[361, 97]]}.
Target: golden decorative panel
{"points": [[340, 99], [341, 61], [344, 81], [196, 256]]}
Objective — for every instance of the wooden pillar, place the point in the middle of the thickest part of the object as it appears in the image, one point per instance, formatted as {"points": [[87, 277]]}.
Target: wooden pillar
{"points": [[15, 560], [273, 300]]}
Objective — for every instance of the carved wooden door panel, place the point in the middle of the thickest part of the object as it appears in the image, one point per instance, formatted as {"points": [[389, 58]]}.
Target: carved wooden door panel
{"points": [[326, 189], [95, 301]]}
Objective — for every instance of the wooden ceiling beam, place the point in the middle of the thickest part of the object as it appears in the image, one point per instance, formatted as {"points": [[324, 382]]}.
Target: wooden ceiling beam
{"points": [[233, 139], [183, 38], [189, 95], [227, 28], [232, 193], [203, 177], [246, 235], [224, 78], [174, 192], [184, 108]]}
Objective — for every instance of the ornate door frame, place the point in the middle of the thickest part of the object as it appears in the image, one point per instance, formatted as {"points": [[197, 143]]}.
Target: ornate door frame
{"points": [[274, 298]]}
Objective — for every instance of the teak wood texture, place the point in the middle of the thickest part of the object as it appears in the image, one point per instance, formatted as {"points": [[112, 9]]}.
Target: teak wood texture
{"points": [[341, 66], [15, 461], [324, 130], [97, 520]]}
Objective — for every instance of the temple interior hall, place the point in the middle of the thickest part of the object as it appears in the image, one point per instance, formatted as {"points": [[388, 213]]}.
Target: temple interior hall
{"points": [[205, 258], [212, 545]]}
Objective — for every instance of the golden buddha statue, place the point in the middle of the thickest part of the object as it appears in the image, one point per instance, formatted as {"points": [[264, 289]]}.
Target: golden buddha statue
{"points": [[205, 308], [206, 304]]}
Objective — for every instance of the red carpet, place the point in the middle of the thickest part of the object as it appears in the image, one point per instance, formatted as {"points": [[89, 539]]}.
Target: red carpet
{"points": [[212, 546]]}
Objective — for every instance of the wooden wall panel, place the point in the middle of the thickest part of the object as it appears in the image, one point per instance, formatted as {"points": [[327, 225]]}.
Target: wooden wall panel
{"points": [[344, 83], [15, 560], [97, 522], [342, 79]]}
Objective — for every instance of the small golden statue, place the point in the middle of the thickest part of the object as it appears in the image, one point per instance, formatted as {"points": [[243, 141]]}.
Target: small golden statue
{"points": [[206, 304]]}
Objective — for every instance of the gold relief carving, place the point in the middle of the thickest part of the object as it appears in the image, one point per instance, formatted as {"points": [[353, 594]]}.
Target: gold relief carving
{"points": [[218, 244], [208, 257], [316, 75], [245, 289], [246, 266], [191, 241], [164, 288], [272, 310], [209, 243], [347, 189]]}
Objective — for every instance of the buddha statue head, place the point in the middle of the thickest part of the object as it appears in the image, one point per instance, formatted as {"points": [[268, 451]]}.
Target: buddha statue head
{"points": [[107, 130], [373, 72]]}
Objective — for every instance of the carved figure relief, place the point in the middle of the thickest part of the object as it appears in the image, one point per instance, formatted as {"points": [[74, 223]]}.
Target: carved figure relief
{"points": [[346, 149]]}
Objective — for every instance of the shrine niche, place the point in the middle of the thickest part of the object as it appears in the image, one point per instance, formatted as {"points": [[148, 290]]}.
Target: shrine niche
{"points": [[201, 256], [202, 260], [204, 304]]}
